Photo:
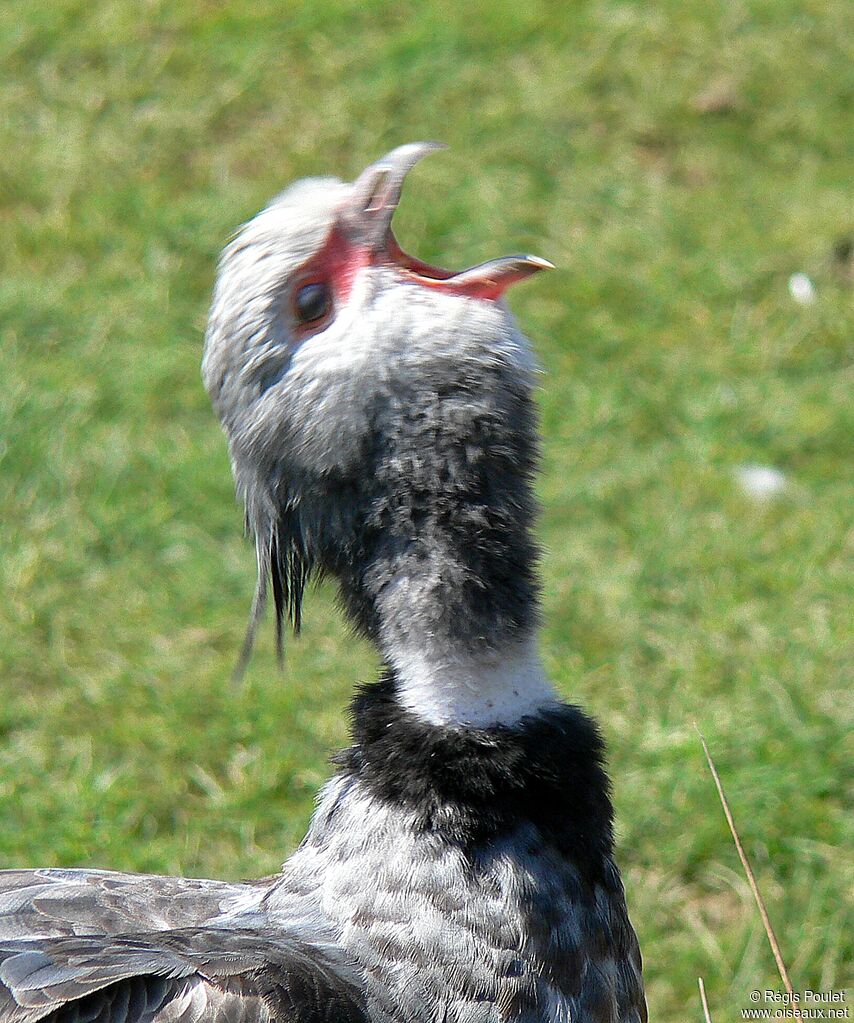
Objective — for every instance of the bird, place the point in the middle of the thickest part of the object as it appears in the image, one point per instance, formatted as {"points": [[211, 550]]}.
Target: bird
{"points": [[459, 866]]}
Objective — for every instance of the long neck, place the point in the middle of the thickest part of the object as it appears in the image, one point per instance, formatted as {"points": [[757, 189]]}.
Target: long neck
{"points": [[440, 570]]}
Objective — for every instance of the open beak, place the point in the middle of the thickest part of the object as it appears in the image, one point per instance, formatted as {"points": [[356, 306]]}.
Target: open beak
{"points": [[366, 220]]}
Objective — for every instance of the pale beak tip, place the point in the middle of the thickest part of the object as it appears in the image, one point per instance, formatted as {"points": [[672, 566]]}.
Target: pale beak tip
{"points": [[538, 263], [404, 157]]}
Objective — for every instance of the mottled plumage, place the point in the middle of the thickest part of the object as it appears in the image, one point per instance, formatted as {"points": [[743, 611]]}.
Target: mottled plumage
{"points": [[459, 867]]}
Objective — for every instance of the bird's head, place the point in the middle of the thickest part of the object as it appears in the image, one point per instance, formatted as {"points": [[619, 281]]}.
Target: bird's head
{"points": [[320, 324]]}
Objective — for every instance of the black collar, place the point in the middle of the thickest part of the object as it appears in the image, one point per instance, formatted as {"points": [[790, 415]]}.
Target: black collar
{"points": [[473, 785]]}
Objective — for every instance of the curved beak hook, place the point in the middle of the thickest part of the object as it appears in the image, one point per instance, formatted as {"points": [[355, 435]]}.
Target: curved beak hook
{"points": [[367, 214]]}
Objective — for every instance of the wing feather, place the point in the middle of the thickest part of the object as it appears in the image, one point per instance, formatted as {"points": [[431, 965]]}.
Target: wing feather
{"points": [[177, 976], [56, 902]]}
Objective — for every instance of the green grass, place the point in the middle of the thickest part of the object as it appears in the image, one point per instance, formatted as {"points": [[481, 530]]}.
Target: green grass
{"points": [[135, 136]]}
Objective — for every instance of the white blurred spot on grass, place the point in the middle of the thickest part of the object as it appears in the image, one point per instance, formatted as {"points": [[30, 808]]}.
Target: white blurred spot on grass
{"points": [[761, 482], [802, 289]]}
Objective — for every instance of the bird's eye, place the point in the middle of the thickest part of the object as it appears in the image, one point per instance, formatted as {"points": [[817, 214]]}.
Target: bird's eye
{"points": [[312, 302]]}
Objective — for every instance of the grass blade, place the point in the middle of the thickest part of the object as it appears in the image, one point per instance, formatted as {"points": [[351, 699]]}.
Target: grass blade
{"points": [[706, 1014], [751, 878]]}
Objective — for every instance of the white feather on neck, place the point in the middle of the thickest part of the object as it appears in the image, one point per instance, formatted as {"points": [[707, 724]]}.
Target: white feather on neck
{"points": [[498, 687]]}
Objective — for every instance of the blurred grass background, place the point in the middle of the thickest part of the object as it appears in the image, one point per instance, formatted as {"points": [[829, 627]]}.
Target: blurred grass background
{"points": [[678, 162]]}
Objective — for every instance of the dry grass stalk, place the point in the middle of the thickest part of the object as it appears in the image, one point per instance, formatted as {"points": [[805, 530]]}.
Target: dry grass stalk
{"points": [[706, 1014], [751, 880]]}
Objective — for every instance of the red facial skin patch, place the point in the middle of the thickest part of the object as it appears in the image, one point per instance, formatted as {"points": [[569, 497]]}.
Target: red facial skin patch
{"points": [[336, 265], [339, 260]]}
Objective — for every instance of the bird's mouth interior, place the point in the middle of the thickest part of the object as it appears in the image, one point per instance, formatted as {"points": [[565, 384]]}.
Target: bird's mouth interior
{"points": [[417, 267], [487, 280], [366, 220]]}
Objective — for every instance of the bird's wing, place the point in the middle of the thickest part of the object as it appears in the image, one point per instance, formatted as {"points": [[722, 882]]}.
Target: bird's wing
{"points": [[180, 976], [86, 946], [55, 902]]}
